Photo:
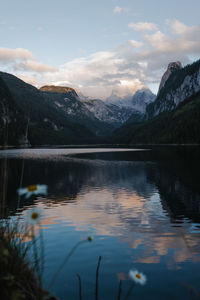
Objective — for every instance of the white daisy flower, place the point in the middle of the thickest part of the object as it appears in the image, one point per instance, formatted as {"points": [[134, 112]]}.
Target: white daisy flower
{"points": [[137, 277], [33, 216], [35, 189]]}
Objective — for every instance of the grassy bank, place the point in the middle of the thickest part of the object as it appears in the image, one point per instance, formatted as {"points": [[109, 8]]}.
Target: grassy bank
{"points": [[18, 279]]}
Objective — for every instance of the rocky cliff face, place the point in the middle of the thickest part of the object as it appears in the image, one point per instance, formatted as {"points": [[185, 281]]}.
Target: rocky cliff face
{"points": [[181, 84], [171, 68], [189, 87], [141, 99], [108, 113], [13, 124], [116, 111], [136, 102], [58, 89], [66, 101]]}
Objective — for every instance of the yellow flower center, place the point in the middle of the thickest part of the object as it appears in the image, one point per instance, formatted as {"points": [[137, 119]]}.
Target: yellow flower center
{"points": [[138, 276], [32, 188], [34, 216]]}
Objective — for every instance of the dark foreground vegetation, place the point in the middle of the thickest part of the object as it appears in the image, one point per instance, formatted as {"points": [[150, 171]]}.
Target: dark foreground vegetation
{"points": [[18, 280]]}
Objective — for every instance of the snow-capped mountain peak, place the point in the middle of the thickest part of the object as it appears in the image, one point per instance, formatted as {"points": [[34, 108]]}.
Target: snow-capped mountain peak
{"points": [[138, 101], [115, 99], [141, 99]]}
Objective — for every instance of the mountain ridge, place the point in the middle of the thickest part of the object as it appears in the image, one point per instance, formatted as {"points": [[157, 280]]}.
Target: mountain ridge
{"points": [[181, 84], [58, 89], [174, 116], [117, 111], [57, 115], [32, 110]]}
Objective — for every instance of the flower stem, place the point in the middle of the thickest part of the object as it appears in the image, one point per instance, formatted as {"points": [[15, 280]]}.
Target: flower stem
{"points": [[80, 288], [42, 258], [129, 291], [120, 290], [97, 277], [64, 262], [36, 260]]}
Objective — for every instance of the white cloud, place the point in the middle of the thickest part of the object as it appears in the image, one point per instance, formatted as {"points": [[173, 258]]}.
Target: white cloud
{"points": [[125, 69], [7, 54], [159, 41], [33, 65], [143, 26], [186, 41], [176, 26], [22, 59], [119, 9], [135, 44]]}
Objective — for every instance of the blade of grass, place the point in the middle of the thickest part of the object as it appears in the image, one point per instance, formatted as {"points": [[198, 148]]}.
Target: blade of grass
{"points": [[119, 290], [97, 278], [80, 287]]}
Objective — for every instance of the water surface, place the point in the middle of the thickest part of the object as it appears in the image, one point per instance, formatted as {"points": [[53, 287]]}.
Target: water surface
{"points": [[142, 207]]}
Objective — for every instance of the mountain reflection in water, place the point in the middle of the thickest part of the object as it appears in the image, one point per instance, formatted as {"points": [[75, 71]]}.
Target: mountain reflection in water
{"points": [[142, 207]]}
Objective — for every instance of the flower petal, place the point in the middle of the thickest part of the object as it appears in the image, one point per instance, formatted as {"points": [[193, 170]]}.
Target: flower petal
{"points": [[31, 218]]}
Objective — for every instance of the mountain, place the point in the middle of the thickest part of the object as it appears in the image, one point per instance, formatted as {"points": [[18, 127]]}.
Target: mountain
{"points": [[59, 89], [180, 126], [115, 99], [181, 84], [170, 69], [57, 115], [174, 116], [141, 99], [116, 111], [66, 101], [108, 113], [12, 122], [139, 102], [101, 117], [136, 102], [31, 119]]}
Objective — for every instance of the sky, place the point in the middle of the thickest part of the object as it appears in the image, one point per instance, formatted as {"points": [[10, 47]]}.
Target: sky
{"points": [[97, 47]]}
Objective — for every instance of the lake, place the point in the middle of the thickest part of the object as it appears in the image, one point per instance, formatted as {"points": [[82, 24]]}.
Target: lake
{"points": [[141, 206]]}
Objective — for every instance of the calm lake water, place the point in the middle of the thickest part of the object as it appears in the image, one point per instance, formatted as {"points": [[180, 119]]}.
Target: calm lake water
{"points": [[141, 206]]}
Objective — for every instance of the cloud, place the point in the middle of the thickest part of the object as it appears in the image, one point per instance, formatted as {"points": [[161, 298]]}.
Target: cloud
{"points": [[33, 65], [128, 67], [176, 26], [119, 9], [7, 54], [135, 44], [189, 33], [184, 44], [22, 59], [143, 26], [98, 74]]}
